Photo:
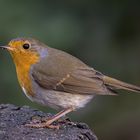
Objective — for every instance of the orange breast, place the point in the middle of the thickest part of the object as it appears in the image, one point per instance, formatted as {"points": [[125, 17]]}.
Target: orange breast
{"points": [[23, 63], [25, 79]]}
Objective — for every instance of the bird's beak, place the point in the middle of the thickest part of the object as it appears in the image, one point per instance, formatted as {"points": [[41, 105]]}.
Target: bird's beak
{"points": [[7, 47]]}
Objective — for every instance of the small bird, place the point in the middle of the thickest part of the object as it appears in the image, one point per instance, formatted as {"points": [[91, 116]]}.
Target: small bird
{"points": [[57, 79]]}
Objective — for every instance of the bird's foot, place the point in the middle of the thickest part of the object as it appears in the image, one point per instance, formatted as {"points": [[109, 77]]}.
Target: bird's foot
{"points": [[42, 125], [48, 122], [42, 122]]}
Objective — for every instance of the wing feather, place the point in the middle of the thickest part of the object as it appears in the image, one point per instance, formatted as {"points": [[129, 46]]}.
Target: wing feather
{"points": [[80, 81]]}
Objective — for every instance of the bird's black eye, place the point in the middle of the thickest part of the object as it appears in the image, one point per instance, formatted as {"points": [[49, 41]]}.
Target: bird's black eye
{"points": [[26, 46]]}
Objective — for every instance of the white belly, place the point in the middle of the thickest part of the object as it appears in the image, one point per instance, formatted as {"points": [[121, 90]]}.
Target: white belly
{"points": [[59, 100]]}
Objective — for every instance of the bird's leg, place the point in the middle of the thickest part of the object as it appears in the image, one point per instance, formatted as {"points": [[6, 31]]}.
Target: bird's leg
{"points": [[48, 123]]}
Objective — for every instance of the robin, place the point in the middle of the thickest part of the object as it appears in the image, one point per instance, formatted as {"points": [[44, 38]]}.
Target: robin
{"points": [[55, 78]]}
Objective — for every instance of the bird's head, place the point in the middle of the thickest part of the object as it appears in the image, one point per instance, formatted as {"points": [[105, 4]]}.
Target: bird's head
{"points": [[26, 50]]}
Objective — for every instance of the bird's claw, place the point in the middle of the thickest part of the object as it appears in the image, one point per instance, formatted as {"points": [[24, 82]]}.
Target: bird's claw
{"points": [[42, 125]]}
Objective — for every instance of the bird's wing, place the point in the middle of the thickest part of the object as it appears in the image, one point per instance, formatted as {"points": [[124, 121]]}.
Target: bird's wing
{"points": [[62, 72], [80, 81], [84, 81]]}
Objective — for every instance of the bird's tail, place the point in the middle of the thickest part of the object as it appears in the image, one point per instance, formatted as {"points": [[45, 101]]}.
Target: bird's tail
{"points": [[117, 84]]}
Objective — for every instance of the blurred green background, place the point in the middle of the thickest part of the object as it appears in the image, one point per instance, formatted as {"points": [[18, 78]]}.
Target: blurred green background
{"points": [[104, 34]]}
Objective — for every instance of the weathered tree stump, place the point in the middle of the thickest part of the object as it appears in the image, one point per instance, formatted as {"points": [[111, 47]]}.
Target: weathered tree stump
{"points": [[13, 120]]}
